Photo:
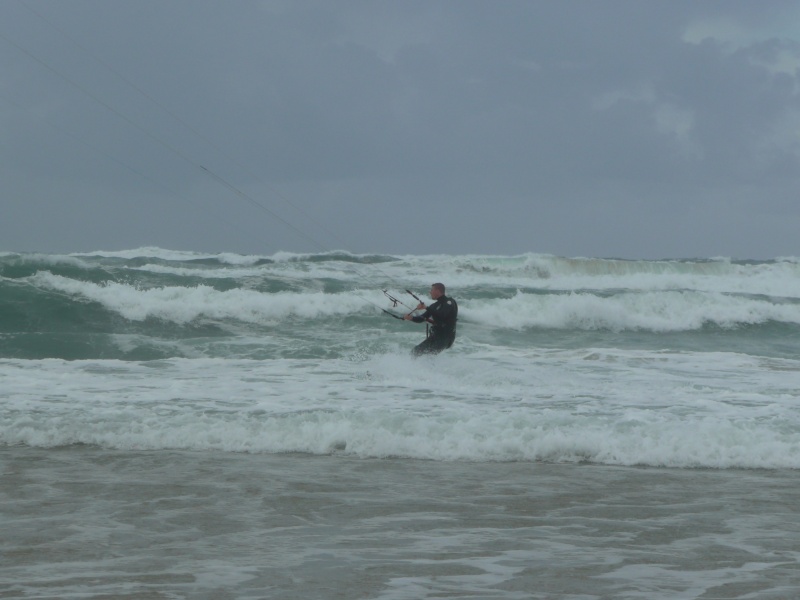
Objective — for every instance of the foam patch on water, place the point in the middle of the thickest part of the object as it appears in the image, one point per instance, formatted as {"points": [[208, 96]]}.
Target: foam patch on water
{"points": [[695, 411]]}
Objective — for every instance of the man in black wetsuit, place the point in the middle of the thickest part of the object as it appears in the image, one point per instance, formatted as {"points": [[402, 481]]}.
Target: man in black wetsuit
{"points": [[442, 315]]}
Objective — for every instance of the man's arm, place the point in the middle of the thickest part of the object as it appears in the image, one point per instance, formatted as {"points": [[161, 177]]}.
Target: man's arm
{"points": [[419, 318]]}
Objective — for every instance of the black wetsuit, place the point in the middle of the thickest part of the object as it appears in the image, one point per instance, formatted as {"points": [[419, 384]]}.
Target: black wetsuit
{"points": [[443, 315]]}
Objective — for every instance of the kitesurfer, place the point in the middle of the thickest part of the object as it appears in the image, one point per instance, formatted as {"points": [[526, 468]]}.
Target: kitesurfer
{"points": [[442, 316]]}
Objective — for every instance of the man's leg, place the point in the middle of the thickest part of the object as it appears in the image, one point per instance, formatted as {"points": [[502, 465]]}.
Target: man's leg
{"points": [[431, 345]]}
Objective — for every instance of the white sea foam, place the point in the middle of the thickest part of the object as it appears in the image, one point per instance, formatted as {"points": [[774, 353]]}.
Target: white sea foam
{"points": [[610, 407], [184, 304]]}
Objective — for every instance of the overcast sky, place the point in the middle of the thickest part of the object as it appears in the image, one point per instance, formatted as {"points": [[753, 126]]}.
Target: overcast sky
{"points": [[634, 129]]}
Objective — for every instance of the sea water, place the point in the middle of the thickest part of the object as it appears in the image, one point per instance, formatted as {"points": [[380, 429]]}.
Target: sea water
{"points": [[190, 425]]}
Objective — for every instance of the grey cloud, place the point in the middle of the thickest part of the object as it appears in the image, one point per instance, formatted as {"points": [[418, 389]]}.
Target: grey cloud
{"points": [[622, 128]]}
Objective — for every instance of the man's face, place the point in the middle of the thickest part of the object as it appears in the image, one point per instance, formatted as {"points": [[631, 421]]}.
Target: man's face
{"points": [[435, 293]]}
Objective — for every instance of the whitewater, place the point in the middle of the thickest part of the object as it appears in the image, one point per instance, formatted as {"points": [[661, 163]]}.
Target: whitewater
{"points": [[180, 424]]}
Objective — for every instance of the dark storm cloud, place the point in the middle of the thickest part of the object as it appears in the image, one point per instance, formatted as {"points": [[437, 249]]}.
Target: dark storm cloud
{"points": [[616, 128]]}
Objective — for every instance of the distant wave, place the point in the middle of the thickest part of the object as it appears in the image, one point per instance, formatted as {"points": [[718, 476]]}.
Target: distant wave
{"points": [[658, 311], [516, 293], [650, 311], [172, 255], [233, 258], [183, 304]]}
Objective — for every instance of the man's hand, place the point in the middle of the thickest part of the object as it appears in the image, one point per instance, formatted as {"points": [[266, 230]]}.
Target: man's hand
{"points": [[420, 306]]}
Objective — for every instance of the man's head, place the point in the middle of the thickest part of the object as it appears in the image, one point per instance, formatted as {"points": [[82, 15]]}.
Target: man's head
{"points": [[437, 290]]}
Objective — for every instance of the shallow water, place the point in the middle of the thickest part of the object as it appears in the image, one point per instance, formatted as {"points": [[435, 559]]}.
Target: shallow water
{"points": [[81, 522]]}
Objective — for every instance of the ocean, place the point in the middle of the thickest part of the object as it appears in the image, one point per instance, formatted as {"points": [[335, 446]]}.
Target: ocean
{"points": [[180, 424]]}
